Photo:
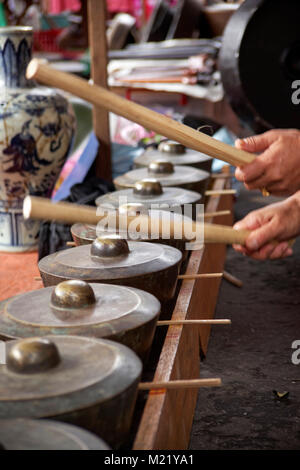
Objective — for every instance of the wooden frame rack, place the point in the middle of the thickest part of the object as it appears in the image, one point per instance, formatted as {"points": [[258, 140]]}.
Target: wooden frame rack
{"points": [[167, 416]]}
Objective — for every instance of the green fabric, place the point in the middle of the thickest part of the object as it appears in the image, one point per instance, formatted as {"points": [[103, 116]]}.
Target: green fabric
{"points": [[2, 15]]}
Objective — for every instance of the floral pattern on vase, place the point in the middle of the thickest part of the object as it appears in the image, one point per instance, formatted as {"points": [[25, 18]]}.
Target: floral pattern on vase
{"points": [[37, 127]]}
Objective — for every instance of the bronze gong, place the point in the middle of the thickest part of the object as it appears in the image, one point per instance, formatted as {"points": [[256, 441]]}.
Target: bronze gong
{"points": [[152, 267], [150, 194], [74, 307], [176, 153], [44, 434], [85, 234], [88, 382], [167, 174]]}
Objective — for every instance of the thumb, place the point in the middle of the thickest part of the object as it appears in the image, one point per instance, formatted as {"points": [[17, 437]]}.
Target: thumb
{"points": [[256, 143]]}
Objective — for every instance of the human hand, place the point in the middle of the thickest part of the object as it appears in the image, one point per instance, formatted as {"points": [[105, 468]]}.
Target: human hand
{"points": [[277, 168], [272, 228]]}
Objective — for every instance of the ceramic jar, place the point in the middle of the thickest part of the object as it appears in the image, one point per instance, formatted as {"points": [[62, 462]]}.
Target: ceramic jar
{"points": [[37, 127]]}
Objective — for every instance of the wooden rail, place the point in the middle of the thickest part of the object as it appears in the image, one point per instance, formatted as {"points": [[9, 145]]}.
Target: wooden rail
{"points": [[167, 416]]}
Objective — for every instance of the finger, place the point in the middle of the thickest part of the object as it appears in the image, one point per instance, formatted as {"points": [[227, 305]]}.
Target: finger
{"points": [[251, 171], [265, 180], [239, 248], [279, 250], [280, 189], [288, 252], [253, 220], [256, 143], [267, 251], [261, 236]]}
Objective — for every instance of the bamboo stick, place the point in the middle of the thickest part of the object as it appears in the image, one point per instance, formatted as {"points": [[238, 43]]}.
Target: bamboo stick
{"points": [[200, 276], [222, 175], [171, 129], [221, 192], [234, 280], [208, 215], [44, 209], [216, 321], [180, 384]]}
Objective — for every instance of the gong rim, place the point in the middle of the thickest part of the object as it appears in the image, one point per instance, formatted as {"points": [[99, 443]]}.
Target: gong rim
{"points": [[172, 197], [189, 157], [168, 257], [183, 176], [126, 372], [33, 434], [16, 324]]}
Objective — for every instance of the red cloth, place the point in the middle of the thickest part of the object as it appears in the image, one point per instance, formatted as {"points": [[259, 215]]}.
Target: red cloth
{"points": [[57, 6], [17, 273]]}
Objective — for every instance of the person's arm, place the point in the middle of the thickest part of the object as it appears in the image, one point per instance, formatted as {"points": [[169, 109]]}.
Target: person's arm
{"points": [[277, 167], [279, 222]]}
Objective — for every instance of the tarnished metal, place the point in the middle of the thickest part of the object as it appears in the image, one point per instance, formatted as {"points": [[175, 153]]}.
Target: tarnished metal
{"points": [[160, 167], [85, 234], [72, 294], [176, 153], [118, 313], [93, 386], [186, 177], [152, 267], [171, 147], [32, 356], [148, 187], [37, 434], [109, 248], [150, 195]]}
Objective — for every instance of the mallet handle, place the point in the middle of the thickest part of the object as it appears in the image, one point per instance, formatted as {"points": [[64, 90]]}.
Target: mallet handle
{"points": [[164, 125], [44, 209]]}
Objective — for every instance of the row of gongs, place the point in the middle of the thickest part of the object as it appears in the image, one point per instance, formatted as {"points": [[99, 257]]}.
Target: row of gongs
{"points": [[101, 299]]}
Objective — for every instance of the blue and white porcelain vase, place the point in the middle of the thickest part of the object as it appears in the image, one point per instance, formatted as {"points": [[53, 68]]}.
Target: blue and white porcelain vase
{"points": [[37, 127]]}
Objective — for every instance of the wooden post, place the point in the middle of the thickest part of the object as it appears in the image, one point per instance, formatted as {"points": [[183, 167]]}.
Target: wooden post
{"points": [[98, 55]]}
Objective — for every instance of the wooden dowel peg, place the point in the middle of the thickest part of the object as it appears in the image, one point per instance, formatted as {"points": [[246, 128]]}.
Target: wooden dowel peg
{"points": [[37, 278], [214, 321], [222, 175], [180, 384], [234, 280], [221, 192], [208, 215], [200, 276], [71, 244]]}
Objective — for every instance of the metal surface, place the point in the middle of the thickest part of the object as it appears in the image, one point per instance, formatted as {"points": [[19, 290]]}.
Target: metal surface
{"points": [[98, 395], [160, 167], [146, 188], [176, 153], [183, 176], [32, 356], [152, 267], [170, 198], [259, 62], [84, 234], [118, 313], [34, 434]]}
